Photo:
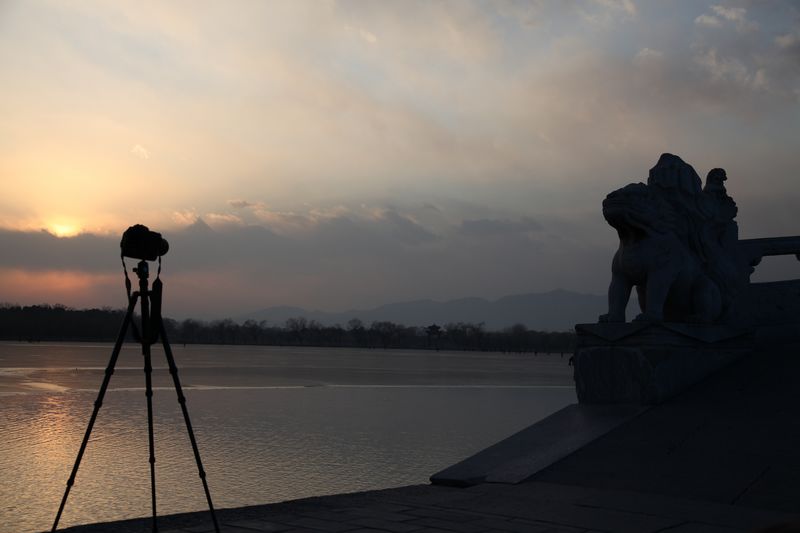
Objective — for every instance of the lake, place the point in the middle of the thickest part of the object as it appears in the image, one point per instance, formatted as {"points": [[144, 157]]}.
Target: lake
{"points": [[272, 423]]}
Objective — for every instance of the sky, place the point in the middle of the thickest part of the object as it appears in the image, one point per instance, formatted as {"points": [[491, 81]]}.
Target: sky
{"points": [[345, 154]]}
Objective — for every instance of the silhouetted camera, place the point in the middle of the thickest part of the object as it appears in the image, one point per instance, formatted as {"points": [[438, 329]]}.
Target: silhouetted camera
{"points": [[141, 243]]}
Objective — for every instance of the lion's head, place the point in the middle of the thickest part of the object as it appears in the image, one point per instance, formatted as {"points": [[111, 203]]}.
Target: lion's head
{"points": [[638, 211]]}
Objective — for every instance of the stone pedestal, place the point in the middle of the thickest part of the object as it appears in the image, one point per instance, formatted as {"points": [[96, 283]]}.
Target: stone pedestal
{"points": [[645, 363]]}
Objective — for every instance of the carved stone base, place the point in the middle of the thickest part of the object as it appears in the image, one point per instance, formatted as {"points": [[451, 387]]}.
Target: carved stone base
{"points": [[648, 363]]}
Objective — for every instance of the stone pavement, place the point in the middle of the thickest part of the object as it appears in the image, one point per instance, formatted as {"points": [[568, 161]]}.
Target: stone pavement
{"points": [[530, 507], [723, 457]]}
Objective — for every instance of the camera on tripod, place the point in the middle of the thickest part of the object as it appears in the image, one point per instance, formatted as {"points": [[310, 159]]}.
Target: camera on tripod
{"points": [[139, 242]]}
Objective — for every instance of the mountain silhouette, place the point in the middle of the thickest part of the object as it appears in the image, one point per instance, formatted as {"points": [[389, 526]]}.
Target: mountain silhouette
{"points": [[557, 310]]}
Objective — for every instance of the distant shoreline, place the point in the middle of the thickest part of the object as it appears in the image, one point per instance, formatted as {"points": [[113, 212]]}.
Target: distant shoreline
{"points": [[58, 323]]}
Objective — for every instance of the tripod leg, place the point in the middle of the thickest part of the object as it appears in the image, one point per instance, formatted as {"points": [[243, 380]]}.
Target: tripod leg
{"points": [[148, 378], [148, 369], [173, 370], [98, 402]]}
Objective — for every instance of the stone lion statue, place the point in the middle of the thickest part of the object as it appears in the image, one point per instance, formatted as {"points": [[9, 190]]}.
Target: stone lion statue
{"points": [[675, 247]]}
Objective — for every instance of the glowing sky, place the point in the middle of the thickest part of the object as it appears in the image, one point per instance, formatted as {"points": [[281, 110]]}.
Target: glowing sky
{"points": [[338, 154]]}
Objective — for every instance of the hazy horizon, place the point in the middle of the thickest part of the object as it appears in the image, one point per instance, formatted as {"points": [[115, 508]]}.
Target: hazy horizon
{"points": [[344, 154], [341, 315]]}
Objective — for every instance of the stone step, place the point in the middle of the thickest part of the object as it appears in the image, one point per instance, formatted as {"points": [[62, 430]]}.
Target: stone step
{"points": [[523, 454]]}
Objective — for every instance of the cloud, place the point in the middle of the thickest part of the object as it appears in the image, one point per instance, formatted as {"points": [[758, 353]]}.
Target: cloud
{"points": [[285, 222], [497, 227], [404, 228], [735, 14], [386, 224], [244, 204], [730, 69], [364, 34], [140, 151], [219, 219], [788, 40], [789, 51], [606, 13], [527, 14], [708, 21], [338, 262], [368, 36], [338, 258], [43, 251], [185, 217], [751, 70], [647, 56], [627, 6]]}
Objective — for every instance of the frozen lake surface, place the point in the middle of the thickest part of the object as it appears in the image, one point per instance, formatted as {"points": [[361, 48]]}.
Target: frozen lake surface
{"points": [[272, 423]]}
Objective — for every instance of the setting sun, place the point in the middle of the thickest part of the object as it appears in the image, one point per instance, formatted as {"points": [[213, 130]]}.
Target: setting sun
{"points": [[63, 230]]}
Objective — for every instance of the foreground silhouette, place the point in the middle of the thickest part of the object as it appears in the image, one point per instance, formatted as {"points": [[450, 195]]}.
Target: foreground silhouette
{"points": [[679, 247], [141, 243]]}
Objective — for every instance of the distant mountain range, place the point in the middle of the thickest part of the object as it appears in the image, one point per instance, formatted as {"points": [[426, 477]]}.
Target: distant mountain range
{"points": [[557, 310]]}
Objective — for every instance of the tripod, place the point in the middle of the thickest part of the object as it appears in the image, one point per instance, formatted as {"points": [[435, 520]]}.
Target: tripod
{"points": [[152, 328]]}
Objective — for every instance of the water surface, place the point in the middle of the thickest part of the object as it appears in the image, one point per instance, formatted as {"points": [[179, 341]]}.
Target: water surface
{"points": [[272, 423]]}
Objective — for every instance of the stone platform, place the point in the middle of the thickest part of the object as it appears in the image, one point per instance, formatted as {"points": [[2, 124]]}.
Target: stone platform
{"points": [[645, 363], [722, 457]]}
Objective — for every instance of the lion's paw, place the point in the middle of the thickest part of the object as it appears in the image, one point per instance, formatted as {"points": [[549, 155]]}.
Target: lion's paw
{"points": [[648, 317], [698, 319]]}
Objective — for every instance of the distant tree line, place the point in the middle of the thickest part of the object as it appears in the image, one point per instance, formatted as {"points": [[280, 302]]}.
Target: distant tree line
{"points": [[59, 323]]}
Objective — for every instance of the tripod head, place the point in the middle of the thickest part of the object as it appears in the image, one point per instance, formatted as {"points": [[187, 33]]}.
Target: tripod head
{"points": [[142, 270]]}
